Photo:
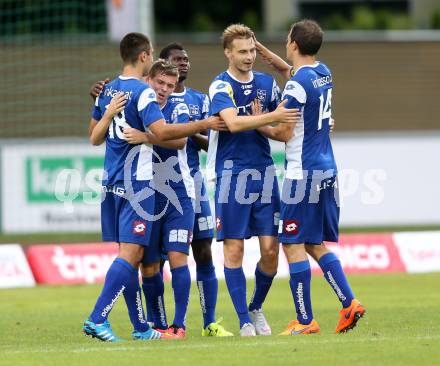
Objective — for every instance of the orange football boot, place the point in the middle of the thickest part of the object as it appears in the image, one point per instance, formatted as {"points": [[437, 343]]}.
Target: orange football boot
{"points": [[295, 328], [348, 317], [176, 331]]}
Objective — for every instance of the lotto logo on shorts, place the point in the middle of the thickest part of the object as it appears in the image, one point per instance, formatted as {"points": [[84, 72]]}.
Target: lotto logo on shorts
{"points": [[139, 227], [291, 227], [218, 223]]}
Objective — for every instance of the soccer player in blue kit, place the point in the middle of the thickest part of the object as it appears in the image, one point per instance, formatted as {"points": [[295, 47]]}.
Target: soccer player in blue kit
{"points": [[240, 161], [175, 228], [127, 98], [310, 199], [203, 233]]}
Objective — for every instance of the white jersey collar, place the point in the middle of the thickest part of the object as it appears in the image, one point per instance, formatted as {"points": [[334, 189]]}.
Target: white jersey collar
{"points": [[316, 64], [179, 94], [239, 81], [127, 77]]}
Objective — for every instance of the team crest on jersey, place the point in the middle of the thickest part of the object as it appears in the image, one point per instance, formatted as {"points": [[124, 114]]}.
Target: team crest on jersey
{"points": [[261, 95], [139, 227], [194, 110], [291, 227]]}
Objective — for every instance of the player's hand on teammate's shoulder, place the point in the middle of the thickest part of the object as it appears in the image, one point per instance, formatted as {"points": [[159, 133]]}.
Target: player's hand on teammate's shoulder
{"points": [[217, 124], [134, 136], [117, 105], [286, 115], [96, 88]]}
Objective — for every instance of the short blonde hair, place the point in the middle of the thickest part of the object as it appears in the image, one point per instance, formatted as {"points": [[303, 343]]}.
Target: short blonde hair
{"points": [[163, 67], [236, 31]]}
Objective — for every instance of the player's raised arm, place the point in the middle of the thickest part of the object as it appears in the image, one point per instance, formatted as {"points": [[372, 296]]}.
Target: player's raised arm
{"points": [[98, 133], [274, 61]]}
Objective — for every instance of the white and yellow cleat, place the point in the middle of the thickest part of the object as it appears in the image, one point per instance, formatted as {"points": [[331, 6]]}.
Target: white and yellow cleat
{"points": [[216, 330]]}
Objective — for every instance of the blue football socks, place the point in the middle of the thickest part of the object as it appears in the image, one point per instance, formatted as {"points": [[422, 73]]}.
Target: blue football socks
{"points": [[120, 276], [153, 288], [181, 282], [300, 277], [263, 282], [335, 276], [208, 288], [236, 282]]}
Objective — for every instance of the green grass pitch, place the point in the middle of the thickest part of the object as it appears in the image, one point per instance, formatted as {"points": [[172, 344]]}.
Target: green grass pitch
{"points": [[42, 326]]}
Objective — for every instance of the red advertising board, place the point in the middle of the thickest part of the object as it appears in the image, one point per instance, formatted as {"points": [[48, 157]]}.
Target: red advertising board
{"points": [[367, 253], [71, 264]]}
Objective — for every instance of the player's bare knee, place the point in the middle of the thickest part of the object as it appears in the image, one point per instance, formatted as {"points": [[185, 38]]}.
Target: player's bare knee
{"points": [[270, 255], [316, 251], [150, 269], [295, 252], [202, 251], [132, 253], [177, 259], [233, 257]]}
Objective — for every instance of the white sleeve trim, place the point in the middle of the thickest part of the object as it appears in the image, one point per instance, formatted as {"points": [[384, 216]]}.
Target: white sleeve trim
{"points": [[146, 97], [219, 86], [295, 90], [275, 90], [205, 107]]}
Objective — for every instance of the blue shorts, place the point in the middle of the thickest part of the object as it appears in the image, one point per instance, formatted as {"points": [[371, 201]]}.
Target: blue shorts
{"points": [[246, 207], [204, 222], [173, 231], [309, 211], [122, 220]]}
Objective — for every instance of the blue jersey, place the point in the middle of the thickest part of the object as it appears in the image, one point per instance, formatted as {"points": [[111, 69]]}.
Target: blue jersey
{"points": [[198, 106], [177, 113], [310, 149], [141, 110], [246, 149]]}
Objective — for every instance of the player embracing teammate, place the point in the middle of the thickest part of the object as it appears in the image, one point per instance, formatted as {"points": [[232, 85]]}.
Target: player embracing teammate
{"points": [[247, 200], [310, 197]]}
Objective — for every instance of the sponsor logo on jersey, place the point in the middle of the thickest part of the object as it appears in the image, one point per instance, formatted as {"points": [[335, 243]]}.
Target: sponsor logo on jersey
{"points": [[291, 227], [247, 92], [139, 227]]}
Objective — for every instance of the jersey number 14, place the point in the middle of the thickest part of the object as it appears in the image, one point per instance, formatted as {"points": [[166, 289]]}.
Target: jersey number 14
{"points": [[325, 107]]}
